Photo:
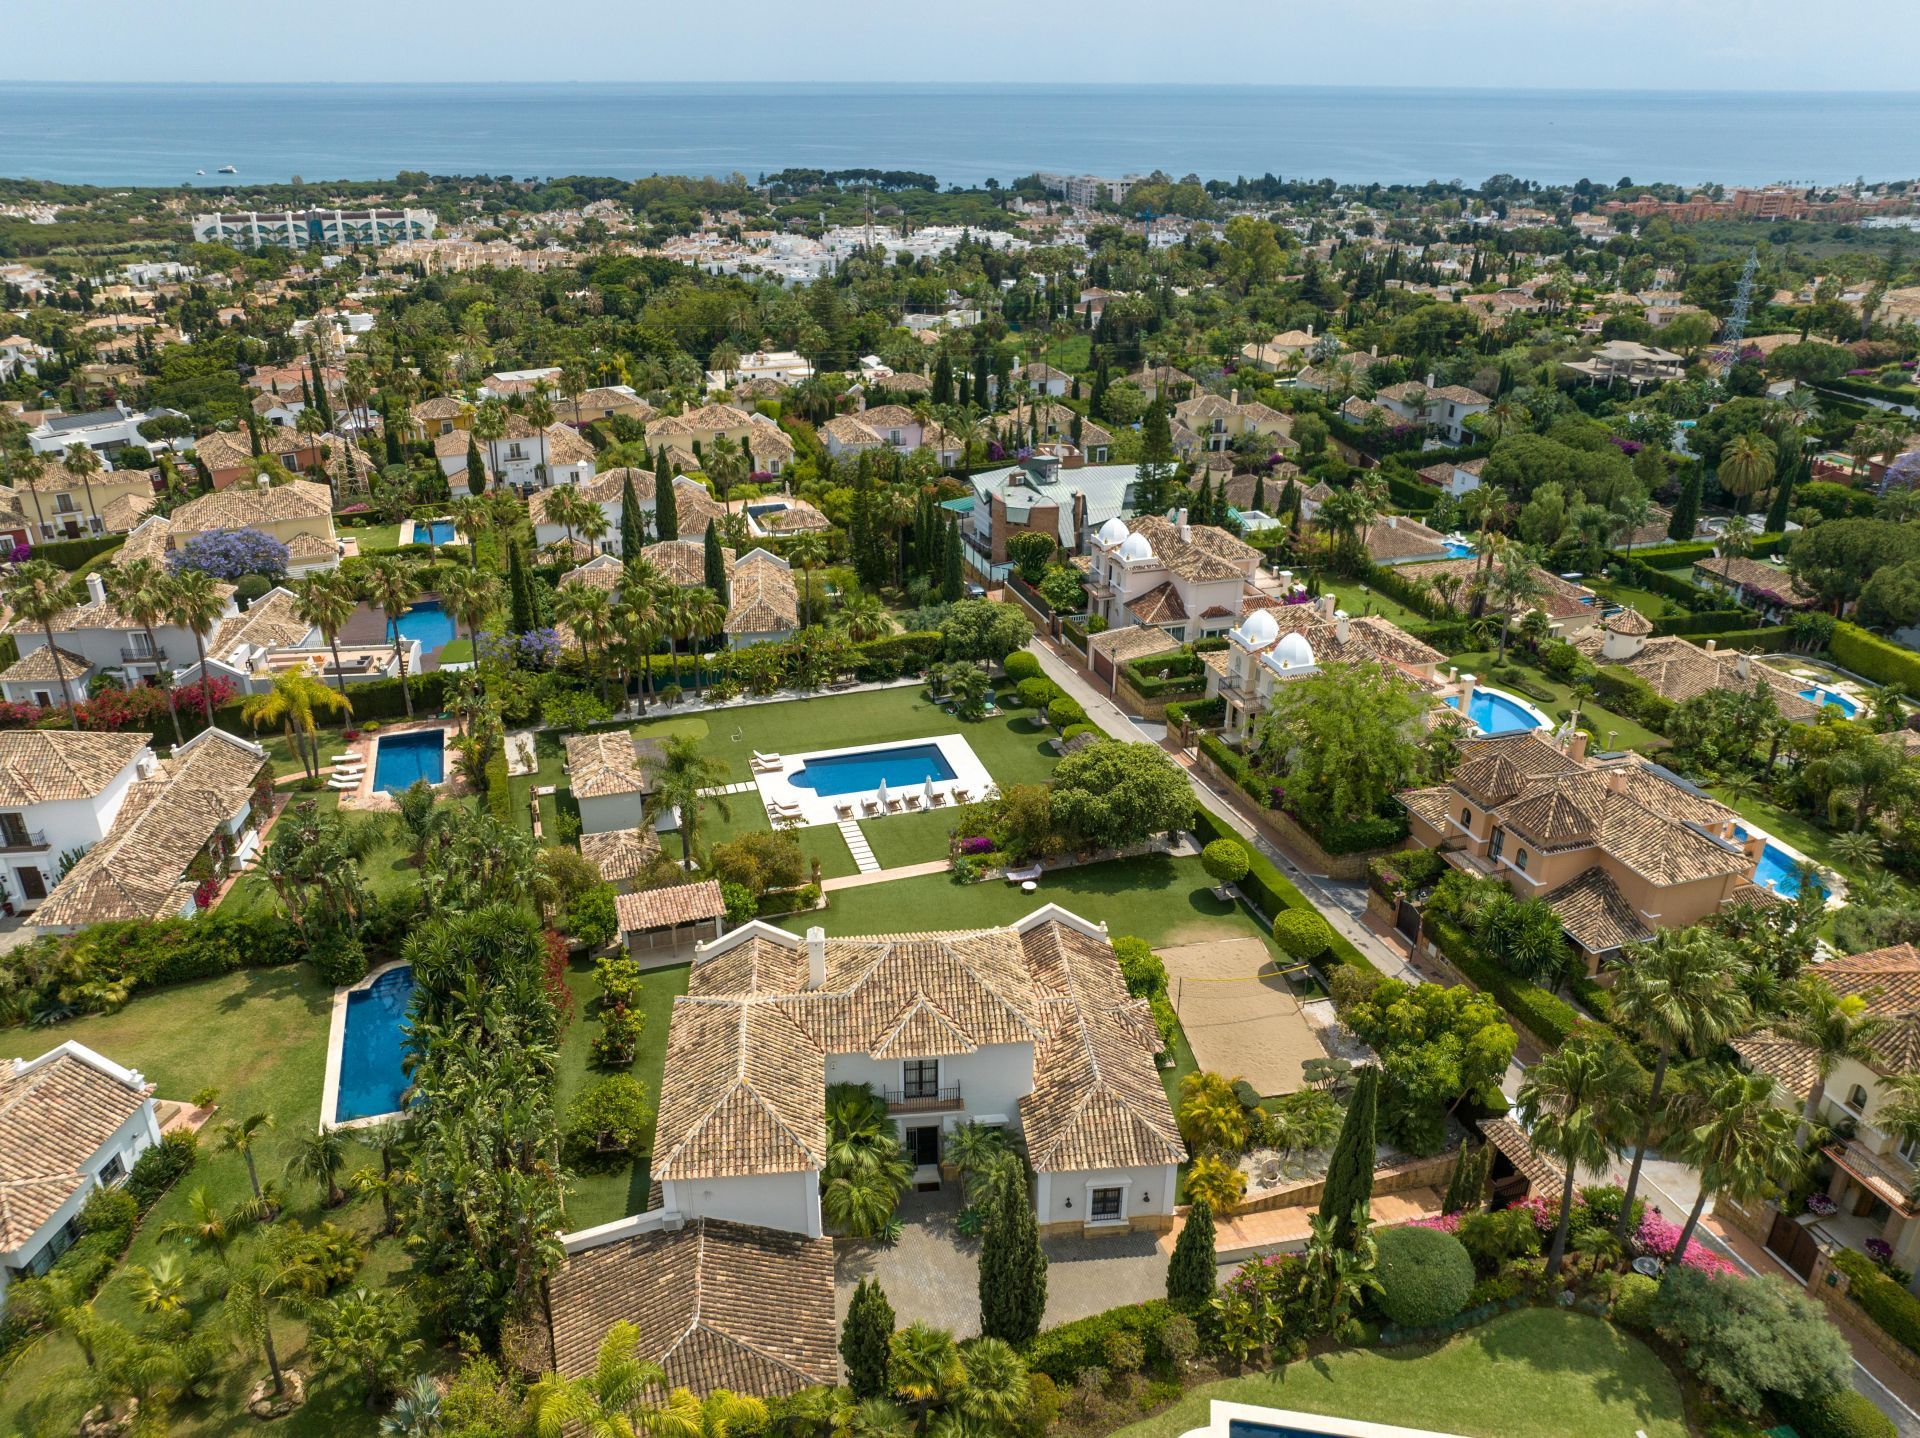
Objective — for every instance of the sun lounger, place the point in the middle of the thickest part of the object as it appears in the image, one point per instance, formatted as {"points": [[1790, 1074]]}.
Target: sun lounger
{"points": [[938, 799], [343, 784], [913, 803], [1021, 876], [893, 806], [871, 808], [843, 810], [777, 806], [766, 761]]}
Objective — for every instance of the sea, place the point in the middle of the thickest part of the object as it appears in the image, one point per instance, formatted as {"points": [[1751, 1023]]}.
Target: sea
{"points": [[167, 134]]}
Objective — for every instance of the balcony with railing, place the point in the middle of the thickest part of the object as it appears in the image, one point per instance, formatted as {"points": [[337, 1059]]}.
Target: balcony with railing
{"points": [[922, 1100], [18, 838], [1887, 1176], [131, 654]]}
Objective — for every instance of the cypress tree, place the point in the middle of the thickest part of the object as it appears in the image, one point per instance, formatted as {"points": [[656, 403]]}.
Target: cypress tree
{"points": [[395, 454], [631, 537], [524, 612], [1469, 1179], [253, 434], [1686, 510], [716, 562], [1190, 1272], [943, 381], [1013, 1270], [1790, 477], [1260, 493], [864, 1341], [476, 471], [952, 580], [980, 381], [306, 392], [1156, 460], [1203, 500], [666, 517], [1349, 1182]]}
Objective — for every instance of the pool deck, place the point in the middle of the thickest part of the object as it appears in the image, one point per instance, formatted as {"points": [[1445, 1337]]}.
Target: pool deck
{"points": [[336, 1044], [1836, 885], [781, 795], [363, 797]]}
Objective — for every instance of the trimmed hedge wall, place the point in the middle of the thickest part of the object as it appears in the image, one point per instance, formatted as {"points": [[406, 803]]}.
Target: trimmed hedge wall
{"points": [[1379, 831], [1707, 621], [1201, 713], [1063, 1353], [70, 554], [1869, 389], [1886, 1302], [1874, 658], [1271, 891], [1627, 692]]}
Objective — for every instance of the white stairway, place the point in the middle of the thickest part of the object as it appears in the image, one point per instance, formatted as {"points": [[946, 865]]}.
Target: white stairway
{"points": [[857, 843]]}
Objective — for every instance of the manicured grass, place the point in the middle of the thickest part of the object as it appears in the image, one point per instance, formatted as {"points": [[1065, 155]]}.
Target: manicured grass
{"points": [[1536, 1373], [595, 1198], [260, 1039], [457, 651], [909, 838], [377, 536], [1650, 605], [817, 841], [1357, 599], [388, 867], [1610, 730]]}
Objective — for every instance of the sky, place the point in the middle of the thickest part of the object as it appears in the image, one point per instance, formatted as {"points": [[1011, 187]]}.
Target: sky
{"points": [[1527, 44]]}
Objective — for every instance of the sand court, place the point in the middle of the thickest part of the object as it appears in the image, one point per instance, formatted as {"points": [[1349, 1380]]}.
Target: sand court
{"points": [[1245, 1027]]}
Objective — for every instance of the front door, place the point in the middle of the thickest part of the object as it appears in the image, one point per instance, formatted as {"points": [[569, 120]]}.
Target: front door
{"points": [[33, 884], [923, 1145]]}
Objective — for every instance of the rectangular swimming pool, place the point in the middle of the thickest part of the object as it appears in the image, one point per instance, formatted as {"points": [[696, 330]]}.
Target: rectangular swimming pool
{"points": [[401, 759], [907, 766], [433, 531], [373, 1078]]}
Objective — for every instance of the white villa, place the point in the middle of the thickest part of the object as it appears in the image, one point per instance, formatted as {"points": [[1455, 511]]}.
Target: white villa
{"points": [[1192, 580]]}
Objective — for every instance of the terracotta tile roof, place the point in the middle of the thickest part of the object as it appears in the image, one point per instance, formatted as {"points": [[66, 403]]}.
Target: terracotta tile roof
{"points": [[40, 766], [1159, 376], [54, 1117], [565, 446], [1595, 914], [1758, 576], [1627, 621], [763, 597], [1546, 1176], [694, 507], [603, 765], [244, 506], [744, 1091], [1055, 421], [852, 431], [270, 623], [1678, 669], [118, 516], [1200, 558], [1400, 537], [621, 854], [1158, 605], [796, 517], [138, 870], [1889, 980], [1787, 1063], [440, 407], [453, 444], [37, 666], [673, 905], [603, 571], [718, 1305], [1562, 599], [683, 561], [1134, 641]]}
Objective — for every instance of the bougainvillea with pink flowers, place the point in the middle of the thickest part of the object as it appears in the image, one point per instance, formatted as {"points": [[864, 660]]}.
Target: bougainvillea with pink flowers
{"points": [[1445, 1222], [1658, 1237]]}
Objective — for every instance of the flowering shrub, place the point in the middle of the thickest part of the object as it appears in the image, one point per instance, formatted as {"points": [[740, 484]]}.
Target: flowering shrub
{"points": [[20, 554], [1879, 1250], [1821, 1205], [1444, 1222], [204, 893], [536, 649], [1247, 1278], [1658, 1237], [978, 844], [232, 554]]}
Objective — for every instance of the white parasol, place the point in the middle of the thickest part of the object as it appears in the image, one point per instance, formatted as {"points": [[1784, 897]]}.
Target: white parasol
{"points": [[881, 793]]}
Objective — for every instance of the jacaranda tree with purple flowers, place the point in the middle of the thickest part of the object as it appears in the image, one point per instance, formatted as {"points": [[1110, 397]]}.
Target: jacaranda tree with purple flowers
{"points": [[232, 554]]}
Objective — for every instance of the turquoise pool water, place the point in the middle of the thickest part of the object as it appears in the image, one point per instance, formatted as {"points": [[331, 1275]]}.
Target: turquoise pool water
{"points": [[904, 768], [401, 759], [1821, 695], [1777, 869], [429, 623], [1460, 549], [373, 1045], [439, 531], [1240, 1428], [1496, 713]]}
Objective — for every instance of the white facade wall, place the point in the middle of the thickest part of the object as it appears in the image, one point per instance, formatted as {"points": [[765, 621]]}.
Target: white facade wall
{"points": [[615, 811], [1067, 1196], [992, 1081], [65, 824], [788, 1201]]}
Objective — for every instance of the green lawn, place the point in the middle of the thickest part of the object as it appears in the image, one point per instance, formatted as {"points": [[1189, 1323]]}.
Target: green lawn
{"points": [[1650, 605], [1610, 730], [595, 1198], [1357, 599], [818, 841], [388, 868], [1536, 1373], [260, 1038], [902, 839], [377, 536]]}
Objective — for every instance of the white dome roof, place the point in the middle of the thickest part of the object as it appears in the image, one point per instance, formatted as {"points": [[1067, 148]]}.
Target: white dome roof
{"points": [[1259, 628], [1112, 532], [1294, 652], [1136, 547]]}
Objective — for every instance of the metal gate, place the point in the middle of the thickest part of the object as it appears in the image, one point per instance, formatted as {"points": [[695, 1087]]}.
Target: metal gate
{"points": [[1792, 1244], [1407, 920]]}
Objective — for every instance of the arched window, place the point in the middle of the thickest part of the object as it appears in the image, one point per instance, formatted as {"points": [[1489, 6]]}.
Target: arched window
{"points": [[1520, 860], [1857, 1099], [1466, 818]]}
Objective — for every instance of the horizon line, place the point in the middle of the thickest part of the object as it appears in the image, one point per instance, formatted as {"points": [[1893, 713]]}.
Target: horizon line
{"points": [[922, 86]]}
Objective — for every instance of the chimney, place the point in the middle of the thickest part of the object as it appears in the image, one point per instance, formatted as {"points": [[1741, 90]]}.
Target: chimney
{"points": [[816, 957], [1577, 745], [96, 589], [1374, 351], [1180, 522], [1743, 666], [1712, 644], [1309, 331], [1342, 628], [1323, 607], [1430, 379], [1233, 396], [1393, 521], [1617, 778]]}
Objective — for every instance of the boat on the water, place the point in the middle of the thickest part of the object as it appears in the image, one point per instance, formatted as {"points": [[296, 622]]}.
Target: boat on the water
{"points": [[228, 170]]}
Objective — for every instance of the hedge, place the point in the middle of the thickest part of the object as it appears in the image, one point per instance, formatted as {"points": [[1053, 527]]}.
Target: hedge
{"points": [[1063, 1353], [148, 953], [1076, 636], [1868, 389], [1886, 1302], [1425, 1276], [1874, 658], [72, 553], [1414, 495], [1377, 831], [1707, 621], [1627, 693], [1271, 891], [1201, 713], [1843, 1413], [499, 789], [1548, 1018]]}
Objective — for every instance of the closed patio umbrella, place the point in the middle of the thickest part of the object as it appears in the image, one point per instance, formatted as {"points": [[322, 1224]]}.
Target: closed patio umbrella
{"points": [[881, 793], [927, 792]]}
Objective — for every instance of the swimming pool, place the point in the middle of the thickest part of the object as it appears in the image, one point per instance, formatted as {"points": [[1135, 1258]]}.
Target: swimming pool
{"points": [[436, 531], [1495, 712], [1461, 549], [906, 766], [1821, 695], [1777, 870], [428, 623], [373, 1043], [401, 759]]}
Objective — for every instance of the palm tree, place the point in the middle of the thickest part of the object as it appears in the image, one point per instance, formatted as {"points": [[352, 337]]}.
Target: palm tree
{"points": [[391, 586], [160, 1286], [470, 597], [320, 1156], [489, 427], [39, 593], [808, 551], [1866, 778], [1746, 464], [206, 1227], [292, 703], [686, 770], [676, 618], [1514, 582], [1743, 1144], [707, 617], [592, 523], [387, 1138], [925, 1366], [995, 1388], [83, 464], [1566, 1103], [416, 1412], [864, 616], [194, 603], [563, 507], [612, 1401], [254, 1287], [589, 613], [138, 590], [1676, 994], [239, 1137], [1832, 1028], [325, 600], [471, 519]]}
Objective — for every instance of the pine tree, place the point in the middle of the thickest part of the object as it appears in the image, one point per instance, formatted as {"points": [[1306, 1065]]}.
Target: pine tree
{"points": [[476, 471], [666, 515], [631, 534], [1686, 510], [523, 610], [1013, 1270], [715, 576], [943, 381], [1190, 1273], [1155, 470], [1791, 476], [952, 579], [1349, 1182], [864, 1340]]}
